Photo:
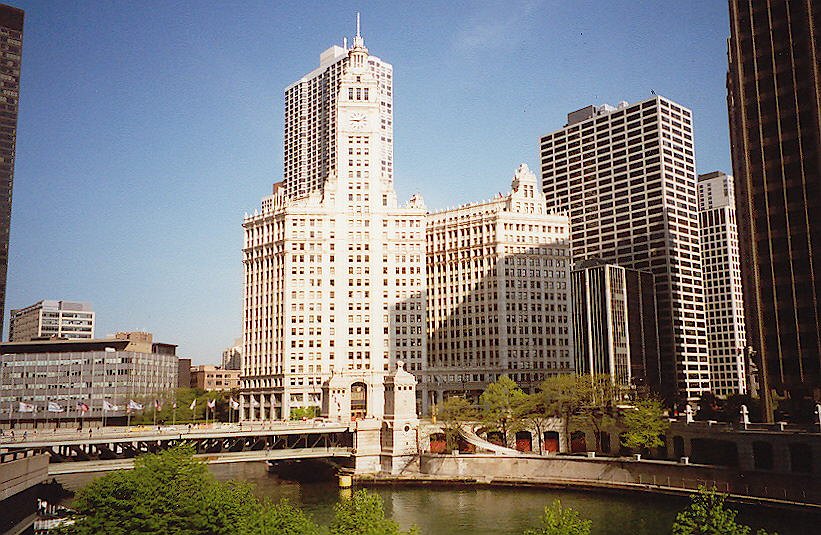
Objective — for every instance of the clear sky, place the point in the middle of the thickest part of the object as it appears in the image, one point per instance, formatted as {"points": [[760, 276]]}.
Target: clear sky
{"points": [[147, 129]]}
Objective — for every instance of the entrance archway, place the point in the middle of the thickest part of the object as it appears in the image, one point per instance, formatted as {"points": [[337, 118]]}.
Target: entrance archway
{"points": [[359, 400]]}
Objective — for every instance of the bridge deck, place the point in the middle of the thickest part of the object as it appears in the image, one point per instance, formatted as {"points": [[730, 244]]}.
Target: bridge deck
{"points": [[79, 467], [111, 435]]}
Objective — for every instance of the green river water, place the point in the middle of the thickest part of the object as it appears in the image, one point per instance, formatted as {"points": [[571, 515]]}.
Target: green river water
{"points": [[483, 510]]}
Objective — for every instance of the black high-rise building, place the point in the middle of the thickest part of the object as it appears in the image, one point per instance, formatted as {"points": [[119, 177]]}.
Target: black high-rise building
{"points": [[773, 100], [11, 49]]}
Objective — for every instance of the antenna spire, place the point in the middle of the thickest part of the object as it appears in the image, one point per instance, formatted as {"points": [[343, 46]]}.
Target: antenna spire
{"points": [[358, 42]]}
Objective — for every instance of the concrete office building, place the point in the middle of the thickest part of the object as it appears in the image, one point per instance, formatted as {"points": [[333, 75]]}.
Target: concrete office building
{"points": [[626, 176], [334, 267], [614, 323], [11, 49], [50, 318], [214, 378], [774, 91], [498, 294], [723, 296], [232, 356], [68, 372]]}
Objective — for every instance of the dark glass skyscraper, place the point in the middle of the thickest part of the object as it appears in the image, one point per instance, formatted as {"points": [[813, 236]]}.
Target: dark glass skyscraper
{"points": [[11, 48], [773, 99]]}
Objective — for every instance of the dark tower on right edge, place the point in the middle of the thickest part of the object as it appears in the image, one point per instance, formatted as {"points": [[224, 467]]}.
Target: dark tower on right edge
{"points": [[773, 99], [11, 49]]}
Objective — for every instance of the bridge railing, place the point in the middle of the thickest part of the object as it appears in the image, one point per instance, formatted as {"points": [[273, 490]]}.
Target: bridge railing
{"points": [[9, 456]]}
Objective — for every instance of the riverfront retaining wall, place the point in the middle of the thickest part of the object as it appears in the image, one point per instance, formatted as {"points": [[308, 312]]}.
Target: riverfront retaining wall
{"points": [[620, 472]]}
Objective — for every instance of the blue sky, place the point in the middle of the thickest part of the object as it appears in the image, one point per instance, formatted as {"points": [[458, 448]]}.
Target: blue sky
{"points": [[147, 129]]}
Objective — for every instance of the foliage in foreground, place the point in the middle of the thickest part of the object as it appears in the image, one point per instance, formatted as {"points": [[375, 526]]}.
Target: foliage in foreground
{"points": [[172, 493], [707, 515], [363, 514], [558, 520]]}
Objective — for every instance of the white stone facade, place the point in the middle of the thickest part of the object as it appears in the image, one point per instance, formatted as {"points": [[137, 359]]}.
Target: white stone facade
{"points": [[334, 267], [726, 335], [311, 135], [626, 176], [498, 294]]}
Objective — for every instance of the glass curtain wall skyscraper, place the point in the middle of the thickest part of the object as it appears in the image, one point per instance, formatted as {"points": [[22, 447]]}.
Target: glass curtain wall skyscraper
{"points": [[11, 49], [774, 102]]}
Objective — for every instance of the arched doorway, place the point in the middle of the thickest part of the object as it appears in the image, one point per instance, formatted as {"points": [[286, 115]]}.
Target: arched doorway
{"points": [[359, 400], [524, 441], [578, 442], [438, 443], [551, 441]]}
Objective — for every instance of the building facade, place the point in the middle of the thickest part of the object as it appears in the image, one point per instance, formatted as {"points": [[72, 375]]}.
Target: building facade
{"points": [[334, 269], [50, 318], [232, 356], [723, 295], [498, 275], [11, 49], [214, 378], [311, 106], [626, 176], [68, 372], [773, 95], [614, 324]]}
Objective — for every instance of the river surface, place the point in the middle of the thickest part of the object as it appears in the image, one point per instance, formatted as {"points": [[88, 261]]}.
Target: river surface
{"points": [[487, 511]]}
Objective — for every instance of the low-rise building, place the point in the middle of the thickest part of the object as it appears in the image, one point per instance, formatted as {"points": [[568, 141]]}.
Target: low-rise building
{"points": [[214, 378], [61, 380]]}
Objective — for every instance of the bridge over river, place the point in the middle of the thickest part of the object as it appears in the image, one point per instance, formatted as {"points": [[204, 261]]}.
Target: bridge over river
{"points": [[111, 448]]}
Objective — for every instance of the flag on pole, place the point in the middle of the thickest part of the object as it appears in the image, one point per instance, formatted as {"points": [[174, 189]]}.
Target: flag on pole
{"points": [[193, 405], [82, 407], [25, 407], [157, 405], [234, 404], [109, 407], [55, 407], [212, 404], [134, 406], [174, 405]]}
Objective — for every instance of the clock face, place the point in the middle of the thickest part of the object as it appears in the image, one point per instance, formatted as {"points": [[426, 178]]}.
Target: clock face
{"points": [[358, 121]]}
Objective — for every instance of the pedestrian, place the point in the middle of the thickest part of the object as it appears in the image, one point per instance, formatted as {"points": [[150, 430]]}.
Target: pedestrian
{"points": [[25, 435], [89, 432]]}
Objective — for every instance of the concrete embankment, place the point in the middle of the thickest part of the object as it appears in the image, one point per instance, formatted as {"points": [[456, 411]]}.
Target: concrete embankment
{"points": [[605, 474]]}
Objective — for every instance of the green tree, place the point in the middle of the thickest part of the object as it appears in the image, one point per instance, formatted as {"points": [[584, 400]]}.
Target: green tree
{"points": [[707, 515], [363, 514], [171, 492], [564, 396], [453, 412], [644, 426], [558, 520], [298, 413], [530, 410], [285, 519], [498, 402], [597, 407]]}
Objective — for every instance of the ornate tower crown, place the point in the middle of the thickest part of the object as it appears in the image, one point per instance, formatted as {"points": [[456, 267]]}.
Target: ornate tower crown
{"points": [[358, 52]]}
